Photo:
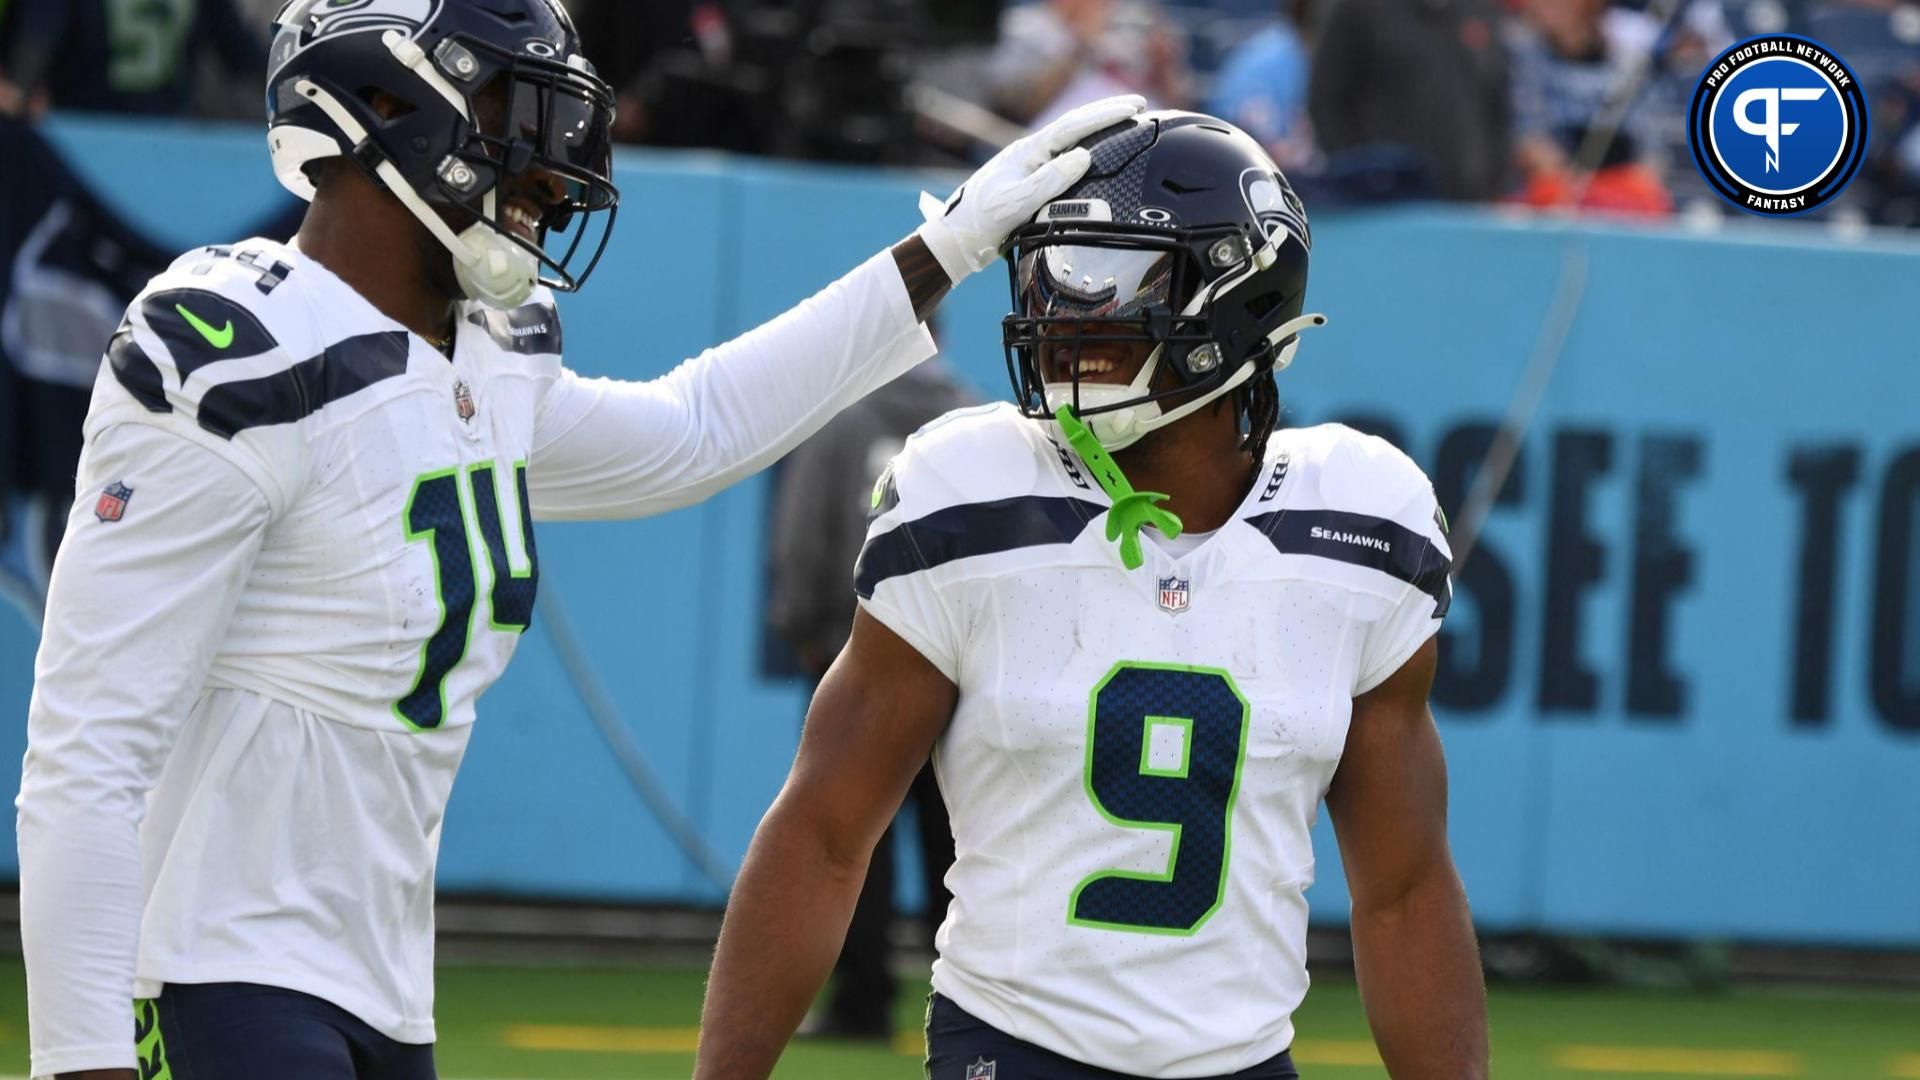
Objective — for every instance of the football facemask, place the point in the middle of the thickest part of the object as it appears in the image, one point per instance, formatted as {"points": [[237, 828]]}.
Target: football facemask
{"points": [[542, 140], [1083, 294]]}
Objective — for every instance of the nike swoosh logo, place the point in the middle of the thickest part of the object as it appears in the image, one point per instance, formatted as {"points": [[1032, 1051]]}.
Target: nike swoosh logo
{"points": [[219, 339]]}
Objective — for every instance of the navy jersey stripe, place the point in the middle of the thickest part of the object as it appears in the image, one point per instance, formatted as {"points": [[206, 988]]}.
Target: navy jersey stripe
{"points": [[236, 331], [136, 370], [958, 532], [1363, 540], [347, 367]]}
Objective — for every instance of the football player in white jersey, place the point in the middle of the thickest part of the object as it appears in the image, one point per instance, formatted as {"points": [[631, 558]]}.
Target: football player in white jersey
{"points": [[1134, 709], [303, 543]]}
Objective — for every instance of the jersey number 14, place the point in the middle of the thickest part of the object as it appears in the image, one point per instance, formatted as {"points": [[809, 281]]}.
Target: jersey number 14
{"points": [[1165, 746], [438, 514]]}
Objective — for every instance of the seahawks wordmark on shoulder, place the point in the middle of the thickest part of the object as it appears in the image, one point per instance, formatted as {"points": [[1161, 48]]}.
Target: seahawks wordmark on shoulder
{"points": [[1362, 539]]}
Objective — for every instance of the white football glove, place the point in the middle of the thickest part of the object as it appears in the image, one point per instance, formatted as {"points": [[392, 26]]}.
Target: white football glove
{"points": [[965, 233]]}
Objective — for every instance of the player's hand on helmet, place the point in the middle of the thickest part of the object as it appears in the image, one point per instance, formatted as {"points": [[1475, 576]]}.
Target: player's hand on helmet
{"points": [[966, 232]]}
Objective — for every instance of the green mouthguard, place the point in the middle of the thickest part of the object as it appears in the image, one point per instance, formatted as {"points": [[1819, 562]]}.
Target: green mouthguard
{"points": [[1132, 510]]}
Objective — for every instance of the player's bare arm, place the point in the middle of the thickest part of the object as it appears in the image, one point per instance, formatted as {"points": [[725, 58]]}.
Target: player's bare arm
{"points": [[870, 729], [927, 283], [1414, 947]]}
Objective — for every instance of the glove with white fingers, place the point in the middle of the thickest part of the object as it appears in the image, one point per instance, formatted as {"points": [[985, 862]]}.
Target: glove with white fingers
{"points": [[966, 232]]}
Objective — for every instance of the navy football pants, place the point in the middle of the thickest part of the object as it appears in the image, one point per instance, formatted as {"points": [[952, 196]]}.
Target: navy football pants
{"points": [[240, 1031], [956, 1041]]}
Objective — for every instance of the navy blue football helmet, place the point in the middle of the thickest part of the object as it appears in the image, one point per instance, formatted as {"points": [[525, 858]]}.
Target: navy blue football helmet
{"points": [[481, 92], [1183, 234]]}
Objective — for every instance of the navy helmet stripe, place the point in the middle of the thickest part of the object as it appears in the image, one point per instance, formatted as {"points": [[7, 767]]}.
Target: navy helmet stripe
{"points": [[959, 532], [346, 367], [136, 370], [1363, 540]]}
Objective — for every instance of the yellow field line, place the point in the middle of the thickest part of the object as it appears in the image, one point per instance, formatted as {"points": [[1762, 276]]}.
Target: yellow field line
{"points": [[606, 1040], [912, 1043], [1906, 1066], [1676, 1061], [1336, 1052]]}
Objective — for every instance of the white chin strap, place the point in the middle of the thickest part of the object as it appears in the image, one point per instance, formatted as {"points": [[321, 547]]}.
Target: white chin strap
{"points": [[1121, 428], [490, 267]]}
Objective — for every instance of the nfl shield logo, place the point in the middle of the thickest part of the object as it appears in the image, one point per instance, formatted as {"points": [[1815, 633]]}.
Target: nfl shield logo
{"points": [[113, 502], [981, 1069], [463, 401], [1174, 595]]}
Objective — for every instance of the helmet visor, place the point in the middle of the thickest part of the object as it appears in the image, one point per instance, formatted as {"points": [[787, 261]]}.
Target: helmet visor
{"points": [[1093, 282]]}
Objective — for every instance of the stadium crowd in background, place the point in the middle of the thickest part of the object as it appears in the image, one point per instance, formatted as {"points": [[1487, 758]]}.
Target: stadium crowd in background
{"points": [[1544, 103]]}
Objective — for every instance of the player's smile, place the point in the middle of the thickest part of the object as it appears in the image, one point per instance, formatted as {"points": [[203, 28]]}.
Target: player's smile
{"points": [[1108, 362], [1095, 361], [523, 219], [527, 198]]}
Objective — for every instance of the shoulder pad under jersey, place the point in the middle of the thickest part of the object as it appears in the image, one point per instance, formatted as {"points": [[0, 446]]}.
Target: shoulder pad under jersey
{"points": [[1335, 467], [227, 336], [1357, 499], [982, 454], [974, 482]]}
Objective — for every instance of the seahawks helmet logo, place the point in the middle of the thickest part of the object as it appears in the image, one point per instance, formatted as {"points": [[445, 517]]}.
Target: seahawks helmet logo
{"points": [[1271, 201], [303, 22]]}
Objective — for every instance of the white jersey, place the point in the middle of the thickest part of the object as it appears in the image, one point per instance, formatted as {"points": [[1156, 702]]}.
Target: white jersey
{"points": [[1137, 756], [301, 550]]}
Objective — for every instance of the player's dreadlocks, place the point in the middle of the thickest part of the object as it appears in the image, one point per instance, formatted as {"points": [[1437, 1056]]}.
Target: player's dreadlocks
{"points": [[1259, 404]]}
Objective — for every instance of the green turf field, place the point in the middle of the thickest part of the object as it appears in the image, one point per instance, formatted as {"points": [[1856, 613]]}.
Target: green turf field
{"points": [[510, 1024]]}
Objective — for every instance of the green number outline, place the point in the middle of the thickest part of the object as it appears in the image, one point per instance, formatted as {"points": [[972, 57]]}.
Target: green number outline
{"points": [[462, 495], [520, 511], [1174, 827]]}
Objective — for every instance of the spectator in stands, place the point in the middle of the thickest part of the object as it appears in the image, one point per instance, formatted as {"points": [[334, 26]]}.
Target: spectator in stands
{"points": [[1880, 40], [819, 525], [16, 102], [1422, 82], [1580, 136], [1056, 54], [108, 56], [1891, 174], [1262, 88]]}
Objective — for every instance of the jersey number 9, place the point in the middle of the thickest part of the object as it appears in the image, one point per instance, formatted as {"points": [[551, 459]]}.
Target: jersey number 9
{"points": [[1165, 744]]}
